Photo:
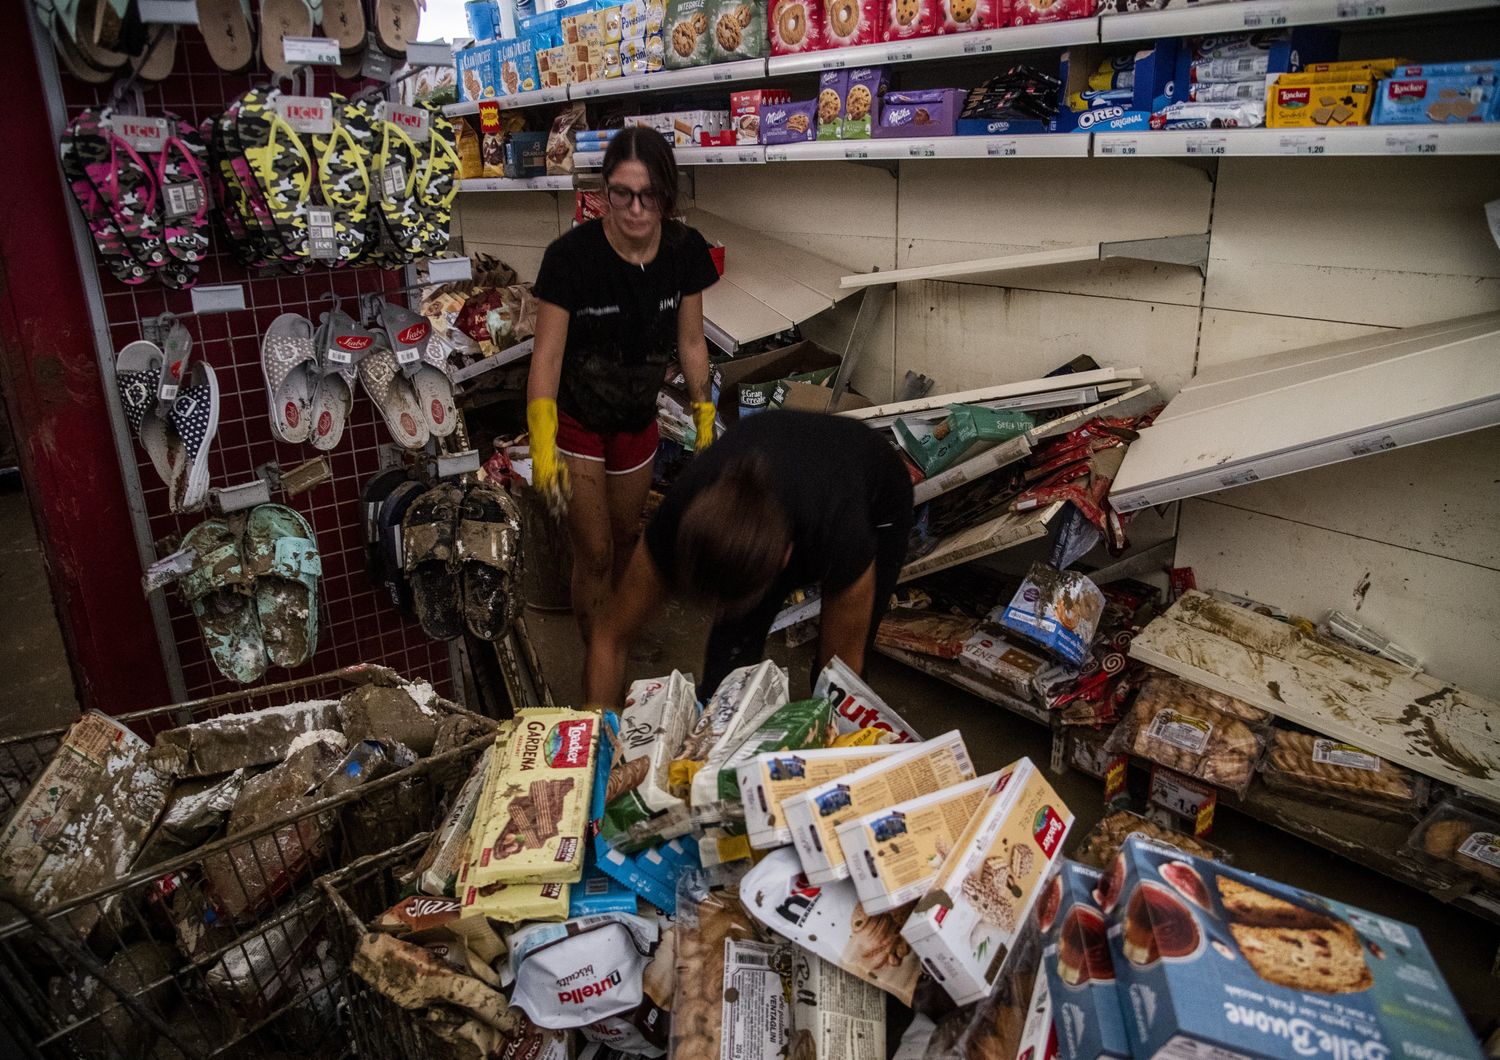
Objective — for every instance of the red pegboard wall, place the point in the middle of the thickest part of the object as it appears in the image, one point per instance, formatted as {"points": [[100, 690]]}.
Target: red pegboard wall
{"points": [[357, 622]]}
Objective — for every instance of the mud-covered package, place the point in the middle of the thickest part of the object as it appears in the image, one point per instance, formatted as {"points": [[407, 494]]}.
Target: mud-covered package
{"points": [[598, 891], [835, 1015], [1079, 970], [437, 872], [232, 741], [965, 926], [1059, 610], [1173, 725], [574, 973], [1238, 965], [769, 779], [918, 769], [855, 704], [716, 943], [744, 699], [806, 723], [1038, 1033], [641, 808], [1312, 766], [894, 853], [828, 921]]}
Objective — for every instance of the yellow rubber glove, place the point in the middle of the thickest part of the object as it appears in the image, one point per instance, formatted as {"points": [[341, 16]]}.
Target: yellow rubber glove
{"points": [[703, 425], [548, 473]]}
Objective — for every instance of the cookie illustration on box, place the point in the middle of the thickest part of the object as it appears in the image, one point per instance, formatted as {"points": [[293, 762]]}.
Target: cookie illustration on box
{"points": [[1033, 12], [910, 19], [739, 29], [962, 16], [796, 26], [852, 22]]}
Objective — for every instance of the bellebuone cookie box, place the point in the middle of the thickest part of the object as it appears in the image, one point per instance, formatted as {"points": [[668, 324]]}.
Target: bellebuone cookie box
{"points": [[964, 927], [1216, 961], [1080, 973]]}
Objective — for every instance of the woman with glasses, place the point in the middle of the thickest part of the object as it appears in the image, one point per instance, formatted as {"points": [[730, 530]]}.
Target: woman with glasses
{"points": [[620, 301]]}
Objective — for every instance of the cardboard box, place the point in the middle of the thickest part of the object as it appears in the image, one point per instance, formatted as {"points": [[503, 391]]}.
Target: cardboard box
{"points": [[814, 816], [745, 109], [965, 926], [476, 68], [1240, 966], [744, 381], [516, 70], [895, 853], [768, 780], [526, 154], [796, 26], [1080, 972], [1295, 103], [1437, 100], [996, 658], [928, 112]]}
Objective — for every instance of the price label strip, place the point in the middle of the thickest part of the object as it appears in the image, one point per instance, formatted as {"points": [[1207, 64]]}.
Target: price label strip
{"points": [[1304, 145], [1002, 149], [1412, 143], [1207, 145], [1266, 18], [1118, 147]]}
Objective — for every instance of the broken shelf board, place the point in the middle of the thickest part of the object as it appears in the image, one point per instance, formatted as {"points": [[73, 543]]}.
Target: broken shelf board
{"points": [[1004, 531], [1187, 250], [1055, 399], [960, 676], [1007, 452], [1415, 721], [1068, 381], [1299, 409]]}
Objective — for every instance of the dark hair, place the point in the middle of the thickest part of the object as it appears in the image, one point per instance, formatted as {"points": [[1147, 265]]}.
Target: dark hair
{"points": [[733, 536], [650, 148]]}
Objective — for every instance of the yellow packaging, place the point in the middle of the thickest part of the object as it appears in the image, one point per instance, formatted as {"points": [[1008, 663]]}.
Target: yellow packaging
{"points": [[770, 778], [609, 19], [863, 738], [895, 853], [585, 60], [1314, 73], [915, 769], [532, 828], [1298, 101], [580, 29], [610, 57]]}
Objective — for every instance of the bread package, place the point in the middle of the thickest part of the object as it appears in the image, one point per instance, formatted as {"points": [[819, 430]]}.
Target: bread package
{"points": [[1305, 764], [640, 808], [1173, 726], [1463, 838]]}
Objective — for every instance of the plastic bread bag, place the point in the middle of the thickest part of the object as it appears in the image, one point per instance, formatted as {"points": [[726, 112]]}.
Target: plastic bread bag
{"points": [[1180, 732], [855, 704], [807, 723], [1461, 838], [744, 699], [640, 808], [581, 971], [1315, 767], [829, 921], [711, 928], [835, 1015]]}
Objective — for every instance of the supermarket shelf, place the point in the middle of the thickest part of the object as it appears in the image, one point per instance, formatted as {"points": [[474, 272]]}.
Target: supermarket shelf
{"points": [[953, 46], [473, 184], [1187, 250], [960, 676], [667, 80], [1269, 14], [1056, 145], [1364, 140], [1006, 530], [720, 156], [521, 99]]}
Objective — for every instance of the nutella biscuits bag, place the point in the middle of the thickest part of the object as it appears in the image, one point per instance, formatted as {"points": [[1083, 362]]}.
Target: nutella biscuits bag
{"points": [[581, 971]]}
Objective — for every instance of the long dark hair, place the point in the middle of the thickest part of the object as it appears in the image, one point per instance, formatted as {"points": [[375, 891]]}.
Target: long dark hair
{"points": [[733, 537], [650, 148]]}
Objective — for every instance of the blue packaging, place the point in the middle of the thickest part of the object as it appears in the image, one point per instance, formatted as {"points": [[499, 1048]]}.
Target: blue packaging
{"points": [[1215, 960], [1001, 126], [476, 67], [1428, 100], [598, 893], [545, 30], [1156, 83], [1486, 66], [516, 67], [483, 17], [1080, 973]]}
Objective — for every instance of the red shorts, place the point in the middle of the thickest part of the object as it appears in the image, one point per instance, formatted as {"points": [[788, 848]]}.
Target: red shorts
{"points": [[620, 453]]}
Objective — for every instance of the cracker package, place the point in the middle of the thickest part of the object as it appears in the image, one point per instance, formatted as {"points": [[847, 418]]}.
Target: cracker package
{"points": [[737, 29], [835, 1015], [716, 795], [531, 829], [961, 16], [828, 921], [1435, 99], [640, 808], [963, 929], [814, 816], [909, 19], [795, 26], [724, 980], [999, 660], [894, 853], [744, 699], [768, 780], [855, 704], [688, 34], [861, 100], [833, 85], [847, 23]]}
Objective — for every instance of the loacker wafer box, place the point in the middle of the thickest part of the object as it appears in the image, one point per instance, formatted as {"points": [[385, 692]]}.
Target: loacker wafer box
{"points": [[963, 928], [1215, 961], [532, 826], [1306, 101]]}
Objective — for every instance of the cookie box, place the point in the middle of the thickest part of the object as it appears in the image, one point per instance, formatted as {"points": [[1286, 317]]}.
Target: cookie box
{"points": [[517, 68], [544, 30], [999, 660], [833, 86], [929, 112], [855, 704], [1080, 972], [964, 927], [1103, 842], [795, 26], [1212, 960], [910, 19], [849, 23], [1461, 837], [1292, 103], [1439, 100], [1038, 1033], [737, 29], [862, 95], [525, 154], [475, 67], [964, 16], [1403, 69], [745, 109], [1000, 126], [768, 780], [688, 34], [1035, 12], [814, 816], [894, 853], [789, 123]]}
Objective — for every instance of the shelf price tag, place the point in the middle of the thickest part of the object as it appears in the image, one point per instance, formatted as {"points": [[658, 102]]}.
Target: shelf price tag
{"points": [[1118, 146], [921, 151], [777, 154], [1207, 145], [310, 51], [1360, 9], [1304, 145], [1412, 143], [747, 157], [723, 75], [834, 64], [856, 152], [1185, 798], [1266, 18], [978, 47], [1002, 149], [590, 89], [899, 55]]}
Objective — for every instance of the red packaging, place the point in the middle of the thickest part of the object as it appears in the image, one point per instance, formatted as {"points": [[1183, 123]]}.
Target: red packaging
{"points": [[908, 19], [745, 110], [848, 23], [796, 26], [961, 16], [1033, 12]]}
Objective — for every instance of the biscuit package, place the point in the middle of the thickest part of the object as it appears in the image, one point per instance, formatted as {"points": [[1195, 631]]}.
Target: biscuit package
{"points": [[928, 112], [1299, 763], [1035, 12], [789, 123], [795, 26], [847, 23], [517, 68], [909, 19], [640, 808], [746, 108], [744, 699], [1218, 741], [835, 1015], [833, 85], [768, 780], [475, 66], [1238, 965], [1104, 840], [1441, 100], [1059, 610], [814, 816], [715, 941], [1296, 101], [894, 853], [716, 794], [961, 16], [572, 974], [688, 34], [963, 929], [829, 922], [855, 704], [737, 29], [1463, 839], [1080, 974], [862, 93]]}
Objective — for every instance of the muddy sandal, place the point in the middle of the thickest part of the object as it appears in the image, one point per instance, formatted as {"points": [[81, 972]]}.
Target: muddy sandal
{"points": [[195, 419], [280, 167], [489, 554], [290, 366], [388, 388], [282, 555], [218, 588], [83, 143], [432, 560]]}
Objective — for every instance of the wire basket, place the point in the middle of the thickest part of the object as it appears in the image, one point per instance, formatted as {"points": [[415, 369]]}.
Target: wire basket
{"points": [[163, 971]]}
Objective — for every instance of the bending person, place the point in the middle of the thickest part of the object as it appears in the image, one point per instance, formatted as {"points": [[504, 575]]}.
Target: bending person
{"points": [[784, 500]]}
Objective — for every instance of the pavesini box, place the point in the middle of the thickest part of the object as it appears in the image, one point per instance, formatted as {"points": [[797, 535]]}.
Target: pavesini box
{"points": [[964, 927], [893, 854], [768, 780], [814, 816], [1080, 973], [1216, 961]]}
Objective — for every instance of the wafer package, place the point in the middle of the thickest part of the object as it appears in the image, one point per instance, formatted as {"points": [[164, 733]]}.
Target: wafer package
{"points": [[744, 699], [768, 780]]}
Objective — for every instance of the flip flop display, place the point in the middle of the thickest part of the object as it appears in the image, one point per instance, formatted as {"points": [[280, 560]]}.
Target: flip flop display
{"points": [[396, 162], [138, 370], [431, 565], [195, 418], [437, 184], [282, 557], [79, 146], [393, 396], [289, 362], [410, 333], [183, 184], [344, 183], [281, 167], [489, 555]]}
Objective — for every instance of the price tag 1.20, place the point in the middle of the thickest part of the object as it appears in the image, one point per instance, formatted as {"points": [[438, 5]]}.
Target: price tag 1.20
{"points": [[1185, 798]]}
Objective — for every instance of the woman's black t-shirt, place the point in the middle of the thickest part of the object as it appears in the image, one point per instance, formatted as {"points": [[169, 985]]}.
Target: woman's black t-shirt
{"points": [[622, 320]]}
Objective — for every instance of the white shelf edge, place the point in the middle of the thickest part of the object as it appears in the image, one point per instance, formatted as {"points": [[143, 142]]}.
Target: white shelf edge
{"points": [[951, 46], [1269, 14], [479, 184], [540, 97], [747, 155], [667, 80], [1029, 145], [1477, 139]]}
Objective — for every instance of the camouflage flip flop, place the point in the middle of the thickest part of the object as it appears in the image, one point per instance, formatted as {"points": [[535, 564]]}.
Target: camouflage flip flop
{"points": [[183, 192], [219, 590], [437, 184], [396, 166], [282, 555], [250, 199], [489, 554], [127, 189], [431, 560], [344, 185], [280, 165], [75, 152]]}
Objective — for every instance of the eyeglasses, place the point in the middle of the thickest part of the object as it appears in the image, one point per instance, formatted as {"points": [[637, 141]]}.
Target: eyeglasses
{"points": [[620, 197]]}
